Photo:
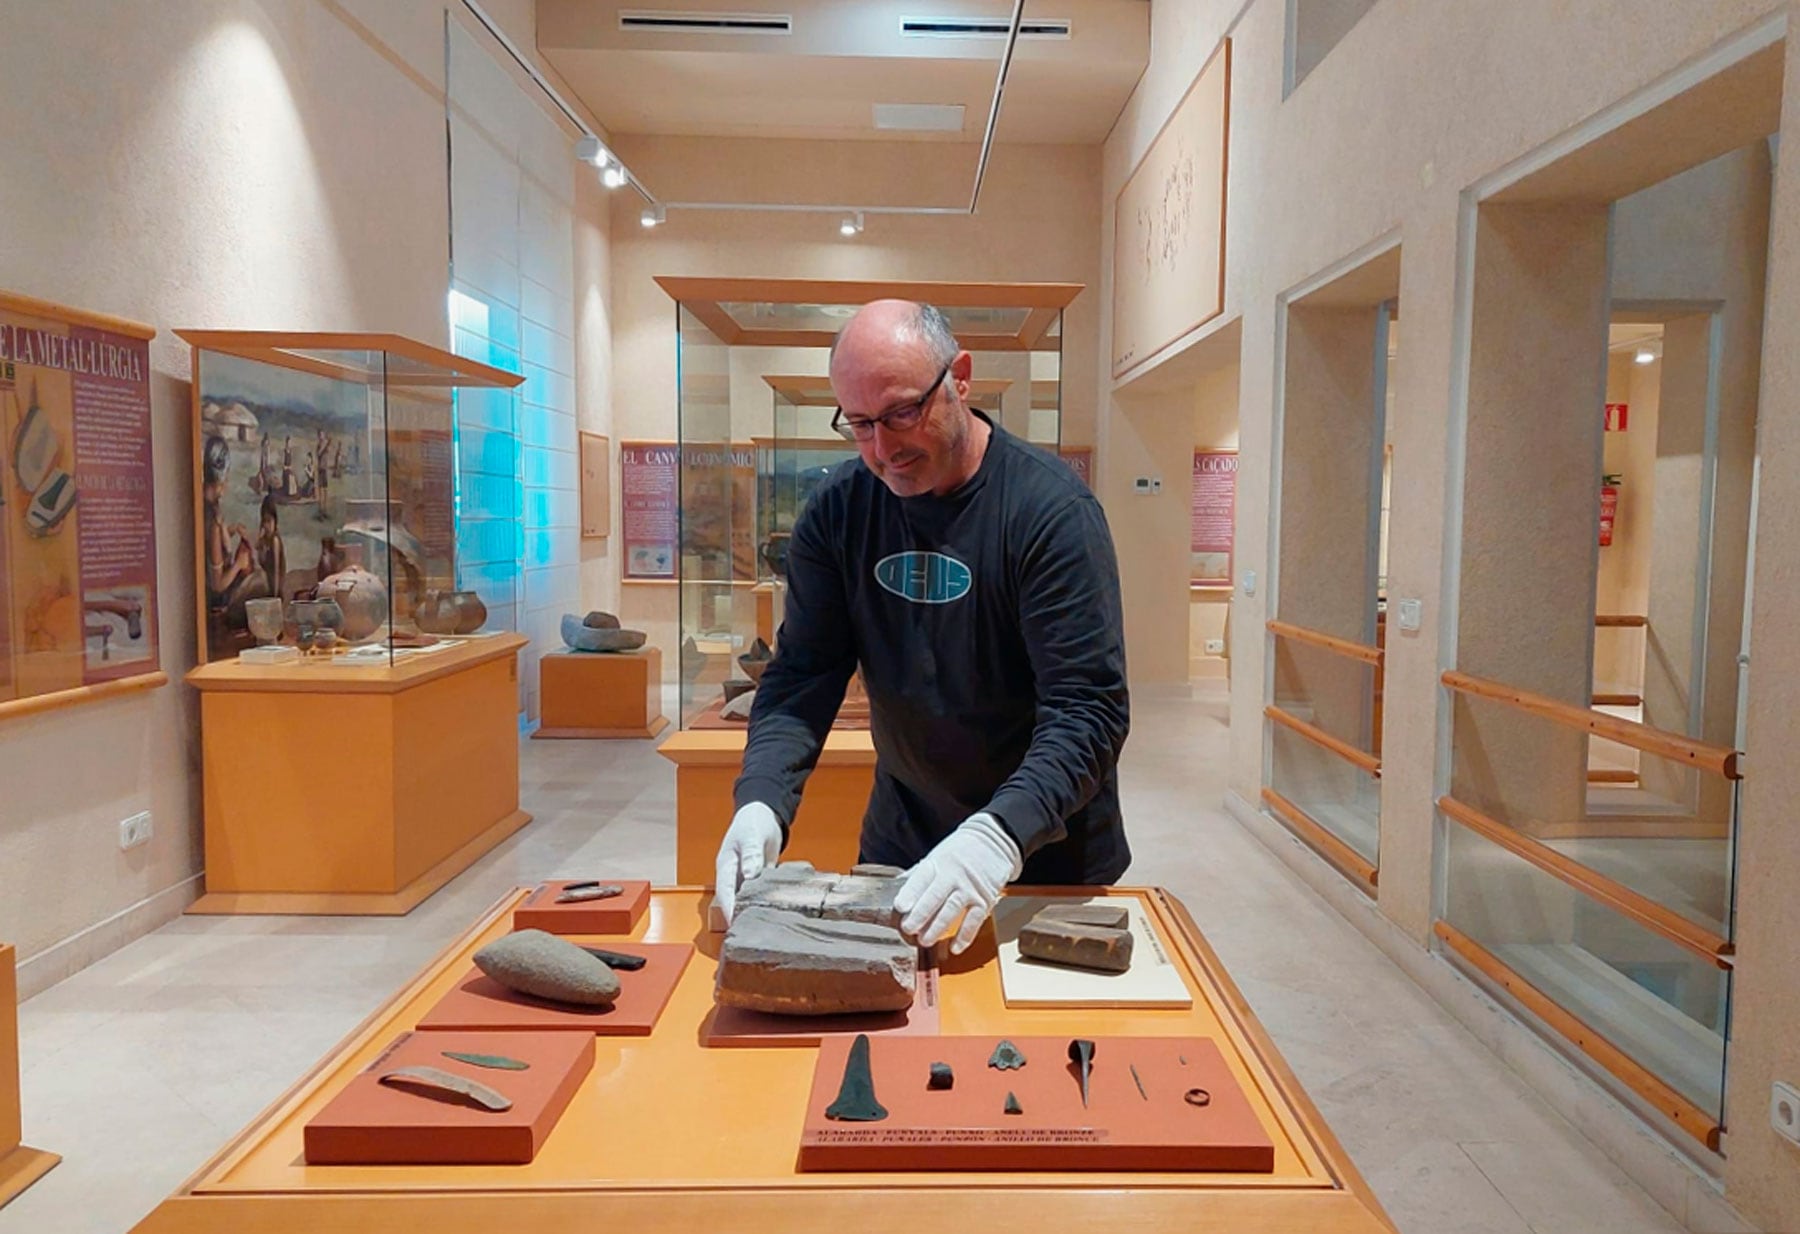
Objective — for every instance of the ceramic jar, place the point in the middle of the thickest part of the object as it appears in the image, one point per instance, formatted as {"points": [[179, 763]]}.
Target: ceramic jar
{"points": [[469, 612]]}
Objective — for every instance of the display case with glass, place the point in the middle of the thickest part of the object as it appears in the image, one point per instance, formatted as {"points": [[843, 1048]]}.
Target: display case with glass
{"points": [[326, 495], [755, 442]]}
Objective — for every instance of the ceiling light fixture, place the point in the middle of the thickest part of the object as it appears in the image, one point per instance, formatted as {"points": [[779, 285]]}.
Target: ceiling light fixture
{"points": [[852, 224], [589, 150], [653, 215], [1645, 356], [614, 176]]}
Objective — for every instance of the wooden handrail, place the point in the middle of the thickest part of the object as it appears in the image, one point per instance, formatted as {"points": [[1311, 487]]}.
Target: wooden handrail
{"points": [[1618, 700], [1719, 760], [1330, 642], [1319, 737], [1323, 839], [1616, 621], [1634, 1075], [1611, 775], [1664, 922]]}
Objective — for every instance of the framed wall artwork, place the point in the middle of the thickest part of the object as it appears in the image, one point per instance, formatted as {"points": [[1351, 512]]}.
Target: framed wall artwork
{"points": [[596, 487], [1169, 225]]}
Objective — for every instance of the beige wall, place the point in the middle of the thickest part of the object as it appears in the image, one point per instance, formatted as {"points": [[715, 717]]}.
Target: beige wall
{"points": [[206, 163], [1418, 102], [1039, 222]]}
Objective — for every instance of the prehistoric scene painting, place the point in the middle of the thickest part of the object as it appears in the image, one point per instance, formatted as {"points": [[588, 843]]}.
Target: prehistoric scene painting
{"points": [[308, 480]]}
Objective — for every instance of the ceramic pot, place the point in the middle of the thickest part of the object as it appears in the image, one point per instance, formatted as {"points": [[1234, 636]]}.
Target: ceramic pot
{"points": [[361, 598], [430, 614], [469, 612], [330, 615]]}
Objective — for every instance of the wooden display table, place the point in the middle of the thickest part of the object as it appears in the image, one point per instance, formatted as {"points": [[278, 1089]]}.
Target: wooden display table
{"points": [[827, 829], [600, 694], [665, 1134], [19, 1166], [356, 789]]}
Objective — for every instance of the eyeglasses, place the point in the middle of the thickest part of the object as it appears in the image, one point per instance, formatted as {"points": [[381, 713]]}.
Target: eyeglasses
{"points": [[859, 428]]}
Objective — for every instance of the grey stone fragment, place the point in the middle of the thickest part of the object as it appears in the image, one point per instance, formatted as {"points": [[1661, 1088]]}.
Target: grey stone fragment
{"points": [[874, 869], [787, 964], [1076, 946], [942, 1077], [861, 897], [856, 1101], [739, 707], [1103, 916], [792, 886], [1006, 1057], [597, 891], [1012, 1105], [545, 966], [598, 620], [581, 637]]}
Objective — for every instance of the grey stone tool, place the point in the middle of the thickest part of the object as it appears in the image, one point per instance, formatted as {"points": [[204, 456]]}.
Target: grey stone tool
{"points": [[545, 966], [445, 1086]]}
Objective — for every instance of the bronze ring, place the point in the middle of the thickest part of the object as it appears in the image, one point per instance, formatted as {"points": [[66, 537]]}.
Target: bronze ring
{"points": [[1197, 1096]]}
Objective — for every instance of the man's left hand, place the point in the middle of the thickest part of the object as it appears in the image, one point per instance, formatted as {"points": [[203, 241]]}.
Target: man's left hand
{"points": [[962, 877]]}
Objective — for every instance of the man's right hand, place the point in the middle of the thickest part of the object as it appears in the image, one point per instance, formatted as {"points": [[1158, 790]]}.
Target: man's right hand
{"points": [[752, 842]]}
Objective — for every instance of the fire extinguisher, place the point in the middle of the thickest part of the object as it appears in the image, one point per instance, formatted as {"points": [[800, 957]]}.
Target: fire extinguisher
{"points": [[1609, 505]]}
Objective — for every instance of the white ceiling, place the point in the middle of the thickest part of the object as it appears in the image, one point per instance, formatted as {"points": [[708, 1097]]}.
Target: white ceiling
{"points": [[842, 57]]}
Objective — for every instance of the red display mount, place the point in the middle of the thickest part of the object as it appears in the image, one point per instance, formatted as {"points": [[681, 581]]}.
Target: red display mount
{"points": [[965, 1127], [479, 1003], [370, 1123], [733, 1026], [616, 915]]}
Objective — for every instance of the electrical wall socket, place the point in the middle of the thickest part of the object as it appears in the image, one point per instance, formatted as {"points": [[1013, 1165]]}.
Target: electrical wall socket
{"points": [[1784, 1111], [135, 830], [1215, 646]]}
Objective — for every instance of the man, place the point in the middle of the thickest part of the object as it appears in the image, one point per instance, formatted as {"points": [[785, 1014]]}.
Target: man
{"points": [[973, 578]]}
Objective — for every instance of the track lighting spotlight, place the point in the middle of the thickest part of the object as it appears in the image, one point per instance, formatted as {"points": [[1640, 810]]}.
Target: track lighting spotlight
{"points": [[653, 215], [614, 176], [589, 150], [852, 224]]}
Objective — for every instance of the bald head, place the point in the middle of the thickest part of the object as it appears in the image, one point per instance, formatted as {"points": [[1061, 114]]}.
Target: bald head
{"points": [[895, 355]]}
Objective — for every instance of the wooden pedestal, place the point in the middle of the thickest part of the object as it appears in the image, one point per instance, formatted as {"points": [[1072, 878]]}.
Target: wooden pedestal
{"points": [[591, 694], [19, 1166], [333, 789], [825, 832]]}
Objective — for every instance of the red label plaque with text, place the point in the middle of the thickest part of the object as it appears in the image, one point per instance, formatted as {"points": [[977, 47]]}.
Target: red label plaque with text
{"points": [[1213, 518]]}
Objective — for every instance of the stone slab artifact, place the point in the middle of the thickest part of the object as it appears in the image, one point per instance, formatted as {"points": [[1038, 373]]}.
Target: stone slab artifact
{"points": [[739, 707], [786, 963], [874, 869], [856, 1095], [440, 1085], [545, 966], [1100, 916], [582, 637], [795, 887], [598, 620], [1077, 946], [942, 1076]]}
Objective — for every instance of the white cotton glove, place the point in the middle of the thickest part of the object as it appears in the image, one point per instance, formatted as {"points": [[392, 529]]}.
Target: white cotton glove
{"points": [[752, 842], [962, 877]]}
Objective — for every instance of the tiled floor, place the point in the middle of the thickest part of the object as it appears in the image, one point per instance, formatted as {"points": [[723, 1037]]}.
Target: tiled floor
{"points": [[138, 1068]]}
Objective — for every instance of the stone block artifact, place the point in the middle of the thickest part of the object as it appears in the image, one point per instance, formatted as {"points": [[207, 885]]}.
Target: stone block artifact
{"points": [[1081, 1058], [599, 620], [494, 1062], [583, 637], [942, 1077], [545, 966], [1066, 937], [1006, 1057], [856, 1095], [788, 964], [444, 1086]]}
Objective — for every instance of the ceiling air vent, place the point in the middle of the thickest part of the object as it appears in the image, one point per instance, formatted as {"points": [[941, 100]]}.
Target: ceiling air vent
{"points": [[668, 22], [982, 27]]}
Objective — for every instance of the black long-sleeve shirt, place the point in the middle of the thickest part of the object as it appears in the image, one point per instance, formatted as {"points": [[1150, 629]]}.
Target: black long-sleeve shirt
{"points": [[988, 627]]}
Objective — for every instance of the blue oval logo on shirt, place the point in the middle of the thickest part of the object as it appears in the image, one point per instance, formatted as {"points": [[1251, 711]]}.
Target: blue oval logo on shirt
{"points": [[924, 578]]}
